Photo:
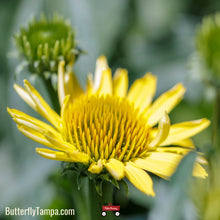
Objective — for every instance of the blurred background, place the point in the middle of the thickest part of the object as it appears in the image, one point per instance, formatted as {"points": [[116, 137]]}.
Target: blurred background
{"points": [[142, 35]]}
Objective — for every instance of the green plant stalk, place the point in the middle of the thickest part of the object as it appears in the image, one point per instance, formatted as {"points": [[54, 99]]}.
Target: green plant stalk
{"points": [[216, 121], [88, 203], [52, 93], [80, 200], [96, 201]]}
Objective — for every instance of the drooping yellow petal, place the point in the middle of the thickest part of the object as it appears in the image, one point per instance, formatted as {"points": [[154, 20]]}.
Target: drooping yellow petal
{"points": [[165, 103], [34, 135], [25, 96], [142, 91], [63, 156], [175, 150], [53, 155], [96, 167], [200, 159], [46, 140], [162, 164], [106, 83], [120, 83], [199, 171], [181, 131], [42, 107], [139, 178], [101, 64], [163, 131], [58, 143], [115, 168], [80, 157], [183, 151], [188, 143], [26, 120]]}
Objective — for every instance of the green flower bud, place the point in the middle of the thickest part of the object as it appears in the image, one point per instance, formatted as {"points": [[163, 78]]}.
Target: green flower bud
{"points": [[208, 45], [46, 42]]}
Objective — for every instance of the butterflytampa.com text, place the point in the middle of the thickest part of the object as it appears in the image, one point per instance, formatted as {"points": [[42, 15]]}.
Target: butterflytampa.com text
{"points": [[30, 211]]}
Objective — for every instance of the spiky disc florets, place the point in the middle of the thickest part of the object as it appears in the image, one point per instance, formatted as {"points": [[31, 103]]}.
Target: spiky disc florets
{"points": [[45, 42]]}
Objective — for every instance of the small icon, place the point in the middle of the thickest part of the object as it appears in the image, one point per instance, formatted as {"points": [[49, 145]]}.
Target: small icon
{"points": [[104, 213], [117, 213], [111, 208]]}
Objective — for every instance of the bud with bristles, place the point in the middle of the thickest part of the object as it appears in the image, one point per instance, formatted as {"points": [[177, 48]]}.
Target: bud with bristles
{"points": [[46, 42]]}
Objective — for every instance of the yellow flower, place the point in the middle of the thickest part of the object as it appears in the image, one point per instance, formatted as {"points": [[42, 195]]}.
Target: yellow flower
{"points": [[109, 129]]}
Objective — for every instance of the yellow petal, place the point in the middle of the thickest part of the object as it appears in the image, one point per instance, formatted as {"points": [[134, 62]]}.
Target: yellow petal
{"points": [[185, 130], [34, 135], [46, 140], [115, 168], [188, 143], [96, 167], [53, 155], [89, 84], [72, 86], [183, 151], [162, 164], [165, 103], [25, 96], [42, 107], [185, 143], [63, 156], [64, 105], [163, 131], [61, 83], [79, 157], [142, 91], [120, 83], [139, 178], [106, 83], [200, 159], [67, 84], [175, 150], [101, 64], [58, 143], [199, 171], [26, 120]]}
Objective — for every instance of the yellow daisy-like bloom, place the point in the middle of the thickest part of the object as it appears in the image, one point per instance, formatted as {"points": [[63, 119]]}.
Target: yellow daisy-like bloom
{"points": [[109, 129]]}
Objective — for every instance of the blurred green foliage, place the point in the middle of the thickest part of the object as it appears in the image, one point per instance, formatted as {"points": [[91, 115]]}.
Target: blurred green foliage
{"points": [[208, 46], [142, 35]]}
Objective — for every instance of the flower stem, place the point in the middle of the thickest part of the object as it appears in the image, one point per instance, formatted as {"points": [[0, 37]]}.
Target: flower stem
{"points": [[80, 201], [96, 201], [216, 121], [52, 93]]}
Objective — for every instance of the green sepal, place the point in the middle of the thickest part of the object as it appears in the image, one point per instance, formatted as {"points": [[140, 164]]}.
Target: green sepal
{"points": [[79, 178], [98, 186], [125, 185], [98, 179]]}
